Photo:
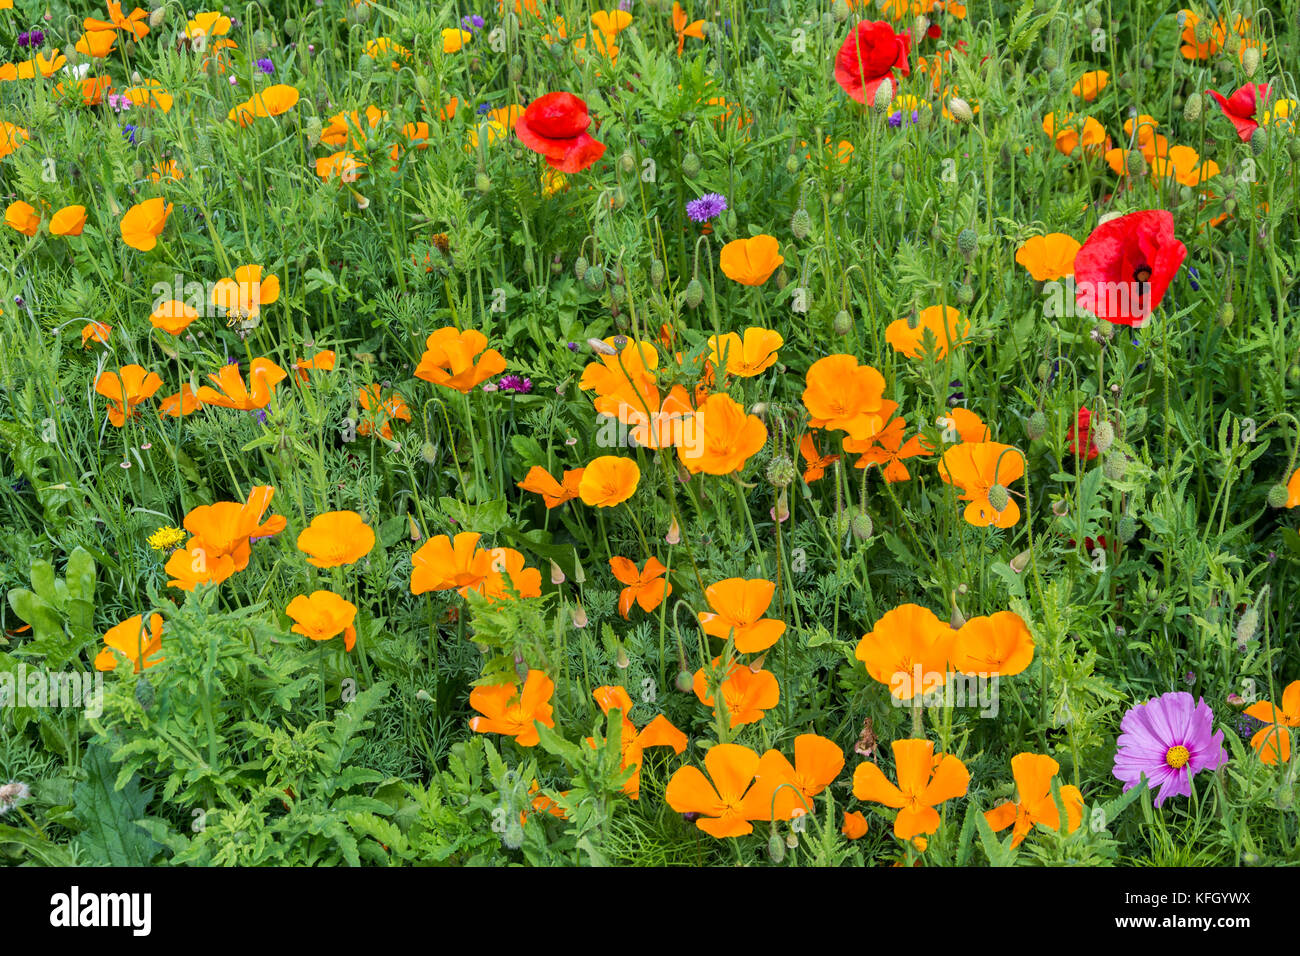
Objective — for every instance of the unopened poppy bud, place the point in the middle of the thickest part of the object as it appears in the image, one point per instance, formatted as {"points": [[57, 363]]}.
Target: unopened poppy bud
{"points": [[1126, 529], [694, 293], [1293, 375], [782, 278], [999, 498], [1093, 18], [960, 109], [841, 10], [1226, 314], [965, 293], [656, 273], [1049, 59], [1247, 626], [516, 68], [1021, 561], [579, 616], [156, 17], [1115, 467], [800, 223], [627, 161], [1259, 141], [1036, 427], [684, 682], [691, 165], [967, 241], [580, 266], [1060, 507], [557, 574], [897, 172], [1277, 496], [884, 97], [674, 535], [618, 199], [861, 526], [601, 347], [775, 847], [957, 620], [1136, 163], [780, 471], [1192, 108], [843, 323], [594, 278], [1056, 79], [144, 693], [483, 183], [621, 660], [429, 453], [1103, 435]]}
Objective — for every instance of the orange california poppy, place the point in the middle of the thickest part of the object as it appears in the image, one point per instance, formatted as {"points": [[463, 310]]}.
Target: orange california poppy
{"points": [[135, 24], [624, 374], [1048, 257], [275, 100], [738, 607], [817, 462], [508, 578], [1091, 84], [228, 527], [247, 292], [323, 361], [962, 425], [751, 261], [143, 222], [999, 644], [134, 642], [195, 564], [554, 493], [1273, 741], [1205, 45], [91, 88], [263, 376], [910, 341], [747, 693], [166, 169], [608, 481], [888, 450], [855, 825], [11, 137], [347, 127], [126, 388], [785, 791], [646, 587], [343, 165], [23, 217], [1184, 164], [173, 316], [149, 93], [324, 616], [513, 712], [450, 359], [747, 357], [1293, 490], [659, 732], [843, 395], [720, 437], [719, 800], [442, 564], [1034, 804], [655, 422], [181, 404], [68, 221], [684, 28], [907, 651], [335, 539], [96, 44], [925, 780], [977, 468], [1069, 132], [382, 411], [95, 332]]}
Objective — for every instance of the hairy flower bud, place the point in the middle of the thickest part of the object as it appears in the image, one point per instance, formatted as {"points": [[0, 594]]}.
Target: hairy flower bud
{"points": [[1036, 427], [800, 223], [960, 109], [691, 165], [694, 293]]}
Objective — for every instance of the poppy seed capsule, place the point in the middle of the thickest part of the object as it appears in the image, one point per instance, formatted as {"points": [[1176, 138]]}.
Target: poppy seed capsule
{"points": [[800, 223], [691, 165], [967, 240], [843, 324], [1103, 436], [694, 293], [965, 294], [960, 110], [1277, 496], [999, 498]]}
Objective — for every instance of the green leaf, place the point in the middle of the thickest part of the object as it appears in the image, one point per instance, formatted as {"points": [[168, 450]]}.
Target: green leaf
{"points": [[110, 831]]}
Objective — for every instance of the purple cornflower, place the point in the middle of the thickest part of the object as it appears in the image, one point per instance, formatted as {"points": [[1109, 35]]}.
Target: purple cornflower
{"points": [[516, 383], [706, 207], [472, 22], [1170, 739], [482, 108], [266, 66]]}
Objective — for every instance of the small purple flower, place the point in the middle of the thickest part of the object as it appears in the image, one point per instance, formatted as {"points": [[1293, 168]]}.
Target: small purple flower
{"points": [[483, 108], [1189, 678], [472, 22], [260, 415], [516, 383], [573, 346], [118, 102], [129, 132], [625, 5], [266, 66], [896, 119], [32, 39], [706, 207], [1170, 739], [1192, 276]]}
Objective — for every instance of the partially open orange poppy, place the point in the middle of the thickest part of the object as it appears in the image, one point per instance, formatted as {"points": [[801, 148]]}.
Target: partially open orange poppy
{"points": [[747, 694], [748, 356], [659, 732], [943, 322], [512, 711], [143, 223], [738, 606], [907, 651], [843, 395], [554, 493], [1033, 774], [608, 481], [646, 588], [978, 468], [999, 644], [751, 261], [133, 641], [126, 388], [263, 376], [1048, 257], [335, 539], [324, 616], [452, 359], [925, 780]]}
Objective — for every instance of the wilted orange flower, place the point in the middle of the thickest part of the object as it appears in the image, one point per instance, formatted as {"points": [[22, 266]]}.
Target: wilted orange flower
{"points": [[1069, 132], [925, 780], [68, 221], [747, 357], [723, 806], [720, 437], [751, 261], [324, 616], [95, 332], [554, 493], [979, 467], [173, 316], [347, 127], [942, 321], [167, 169], [449, 359], [247, 292], [608, 481], [784, 791], [843, 395], [817, 462], [907, 651], [125, 389], [1048, 257], [632, 742], [335, 539], [323, 361], [96, 43], [23, 217], [143, 222], [888, 450], [263, 375], [855, 825], [1273, 741], [738, 607], [647, 587], [747, 693], [135, 24], [1091, 84], [383, 411], [134, 642], [513, 712], [997, 644], [183, 403], [1034, 804]]}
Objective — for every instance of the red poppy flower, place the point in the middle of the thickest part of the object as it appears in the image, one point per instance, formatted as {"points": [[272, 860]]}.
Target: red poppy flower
{"points": [[1240, 107], [555, 125], [1080, 436], [1123, 269], [869, 56]]}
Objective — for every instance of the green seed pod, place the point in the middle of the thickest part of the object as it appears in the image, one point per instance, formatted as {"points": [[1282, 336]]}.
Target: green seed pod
{"points": [[965, 294], [691, 165], [1056, 80], [557, 265], [801, 223], [619, 198], [843, 324], [365, 63], [1093, 18], [656, 273], [792, 164], [627, 161], [1036, 427], [775, 847], [861, 526], [290, 27], [1126, 529], [999, 498], [897, 172], [1115, 467], [580, 267], [1226, 314], [1192, 108], [967, 241], [1259, 141], [429, 453], [684, 682], [837, 197], [483, 183], [1103, 436], [841, 10], [1277, 496], [618, 294], [594, 278], [694, 293], [884, 97], [1049, 59], [1293, 375], [780, 471]]}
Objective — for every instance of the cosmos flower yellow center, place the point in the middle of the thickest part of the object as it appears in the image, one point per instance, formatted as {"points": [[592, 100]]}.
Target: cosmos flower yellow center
{"points": [[1177, 757]]}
